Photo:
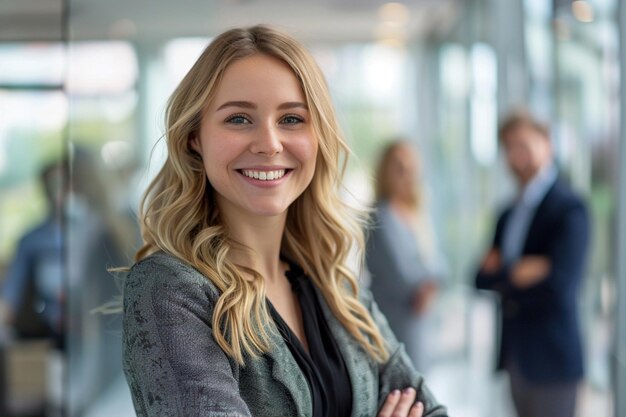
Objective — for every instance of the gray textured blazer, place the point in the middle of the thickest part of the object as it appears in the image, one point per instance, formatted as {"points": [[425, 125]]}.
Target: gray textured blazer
{"points": [[175, 368]]}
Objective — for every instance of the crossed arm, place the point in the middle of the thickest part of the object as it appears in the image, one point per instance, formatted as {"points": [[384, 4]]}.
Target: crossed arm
{"points": [[538, 281], [528, 271], [174, 366]]}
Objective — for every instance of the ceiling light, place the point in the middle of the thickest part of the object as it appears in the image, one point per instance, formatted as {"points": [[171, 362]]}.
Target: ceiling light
{"points": [[391, 28], [582, 11], [394, 12]]}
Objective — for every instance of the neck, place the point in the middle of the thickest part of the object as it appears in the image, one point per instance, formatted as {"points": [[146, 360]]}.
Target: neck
{"points": [[524, 181], [401, 204], [263, 236], [404, 210]]}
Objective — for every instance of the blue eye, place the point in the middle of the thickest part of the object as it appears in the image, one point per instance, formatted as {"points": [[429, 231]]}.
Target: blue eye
{"points": [[238, 119], [292, 120]]}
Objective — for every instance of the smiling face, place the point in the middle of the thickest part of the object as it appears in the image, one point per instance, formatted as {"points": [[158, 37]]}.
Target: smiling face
{"points": [[256, 139]]}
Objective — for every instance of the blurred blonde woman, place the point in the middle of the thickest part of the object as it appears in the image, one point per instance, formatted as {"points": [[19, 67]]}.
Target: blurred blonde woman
{"points": [[402, 256], [240, 303]]}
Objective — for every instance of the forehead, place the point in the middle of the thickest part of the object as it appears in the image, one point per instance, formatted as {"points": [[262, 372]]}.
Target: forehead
{"points": [[259, 74], [404, 153], [523, 134]]}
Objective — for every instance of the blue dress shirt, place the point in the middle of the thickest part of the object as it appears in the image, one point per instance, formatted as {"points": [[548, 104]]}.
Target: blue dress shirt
{"points": [[523, 211]]}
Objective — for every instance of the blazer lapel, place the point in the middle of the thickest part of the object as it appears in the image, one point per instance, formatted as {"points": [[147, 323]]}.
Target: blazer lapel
{"points": [[536, 225], [357, 363], [285, 371]]}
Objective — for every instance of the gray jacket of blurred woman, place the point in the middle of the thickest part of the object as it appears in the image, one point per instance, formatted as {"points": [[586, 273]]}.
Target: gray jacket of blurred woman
{"points": [[398, 266], [175, 367]]}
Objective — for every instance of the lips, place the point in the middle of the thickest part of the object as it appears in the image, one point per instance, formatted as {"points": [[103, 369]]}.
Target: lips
{"points": [[266, 174]]}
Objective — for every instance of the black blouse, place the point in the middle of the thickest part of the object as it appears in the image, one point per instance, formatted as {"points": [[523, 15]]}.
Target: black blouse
{"points": [[323, 366]]}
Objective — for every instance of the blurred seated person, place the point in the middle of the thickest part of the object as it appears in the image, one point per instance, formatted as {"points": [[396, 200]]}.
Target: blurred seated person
{"points": [[32, 293], [402, 256]]}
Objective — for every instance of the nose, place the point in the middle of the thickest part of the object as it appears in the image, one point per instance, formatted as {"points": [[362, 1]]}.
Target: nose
{"points": [[267, 141]]}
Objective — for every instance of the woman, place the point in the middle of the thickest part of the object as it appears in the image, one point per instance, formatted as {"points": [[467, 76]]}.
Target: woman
{"points": [[401, 252], [240, 303]]}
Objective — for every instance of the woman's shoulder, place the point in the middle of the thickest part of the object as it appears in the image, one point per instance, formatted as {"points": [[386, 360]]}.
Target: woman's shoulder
{"points": [[162, 261], [162, 271]]}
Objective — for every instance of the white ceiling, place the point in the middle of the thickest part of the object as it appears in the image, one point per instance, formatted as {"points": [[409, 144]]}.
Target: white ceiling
{"points": [[153, 20]]}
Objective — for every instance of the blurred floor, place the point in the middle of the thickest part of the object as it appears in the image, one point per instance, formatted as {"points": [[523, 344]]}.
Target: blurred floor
{"points": [[115, 401], [483, 398]]}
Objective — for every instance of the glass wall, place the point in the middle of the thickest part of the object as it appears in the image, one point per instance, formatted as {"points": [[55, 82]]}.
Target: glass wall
{"points": [[445, 93], [619, 359], [580, 70], [34, 111], [31, 82], [442, 86], [101, 228]]}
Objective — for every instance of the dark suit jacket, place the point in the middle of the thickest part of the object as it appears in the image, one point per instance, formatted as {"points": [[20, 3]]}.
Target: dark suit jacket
{"points": [[540, 329]]}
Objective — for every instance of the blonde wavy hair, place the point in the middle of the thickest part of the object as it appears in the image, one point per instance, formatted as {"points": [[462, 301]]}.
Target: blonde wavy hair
{"points": [[179, 215]]}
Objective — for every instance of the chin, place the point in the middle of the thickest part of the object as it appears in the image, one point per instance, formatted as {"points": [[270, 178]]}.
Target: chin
{"points": [[268, 210]]}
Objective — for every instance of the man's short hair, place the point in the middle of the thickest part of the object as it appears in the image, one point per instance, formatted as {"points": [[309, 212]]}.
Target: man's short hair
{"points": [[519, 119]]}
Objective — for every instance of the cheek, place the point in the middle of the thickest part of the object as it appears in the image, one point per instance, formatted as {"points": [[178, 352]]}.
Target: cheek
{"points": [[215, 158], [513, 159], [540, 153], [221, 148], [518, 157], [305, 151]]}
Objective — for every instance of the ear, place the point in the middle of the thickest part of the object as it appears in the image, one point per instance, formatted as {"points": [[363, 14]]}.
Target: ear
{"points": [[194, 143]]}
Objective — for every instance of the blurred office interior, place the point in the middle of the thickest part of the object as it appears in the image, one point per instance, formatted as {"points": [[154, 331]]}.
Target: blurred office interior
{"points": [[92, 77]]}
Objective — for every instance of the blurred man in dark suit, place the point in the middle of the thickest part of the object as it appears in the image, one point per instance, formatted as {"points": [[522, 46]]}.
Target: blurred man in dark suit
{"points": [[536, 264]]}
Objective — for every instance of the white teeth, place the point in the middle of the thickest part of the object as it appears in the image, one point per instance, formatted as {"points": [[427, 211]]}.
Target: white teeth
{"points": [[264, 175]]}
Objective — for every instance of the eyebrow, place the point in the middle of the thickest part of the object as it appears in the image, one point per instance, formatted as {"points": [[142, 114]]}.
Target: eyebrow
{"points": [[249, 105], [292, 105]]}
